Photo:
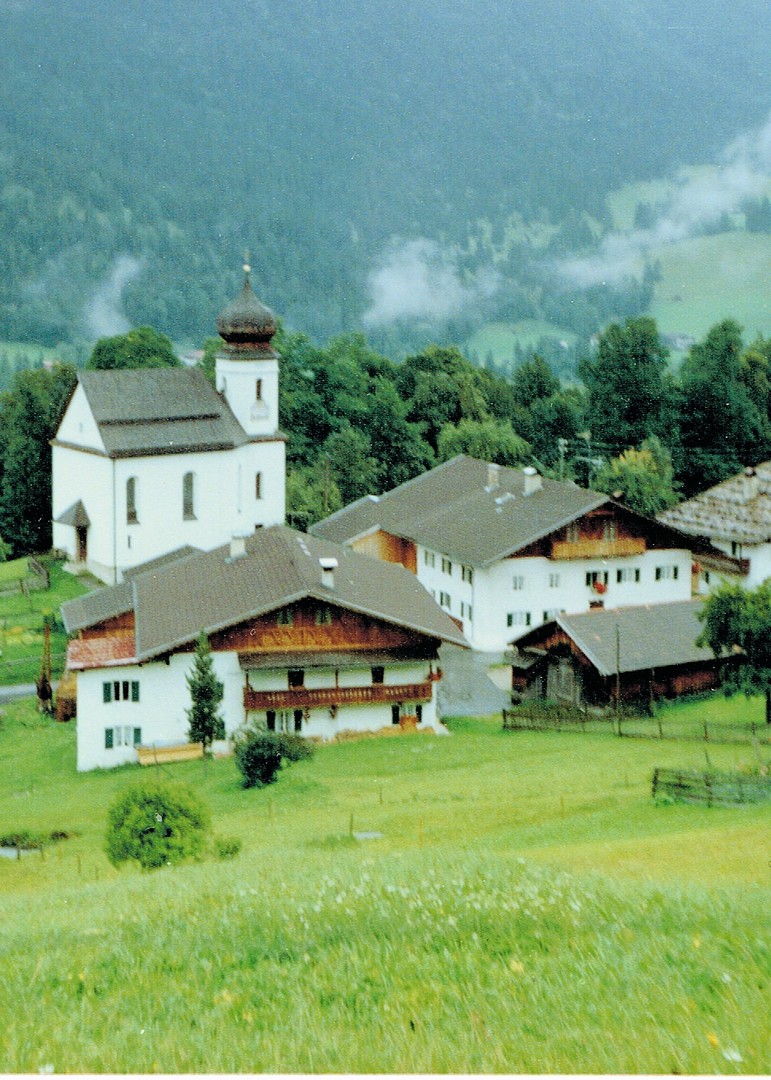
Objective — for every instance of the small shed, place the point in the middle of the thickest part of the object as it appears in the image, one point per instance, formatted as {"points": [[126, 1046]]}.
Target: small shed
{"points": [[638, 653]]}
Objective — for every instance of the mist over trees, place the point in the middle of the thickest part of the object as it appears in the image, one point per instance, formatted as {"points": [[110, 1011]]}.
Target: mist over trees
{"points": [[144, 147]]}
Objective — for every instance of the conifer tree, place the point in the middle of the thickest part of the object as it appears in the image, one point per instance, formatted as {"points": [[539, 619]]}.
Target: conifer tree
{"points": [[206, 693]]}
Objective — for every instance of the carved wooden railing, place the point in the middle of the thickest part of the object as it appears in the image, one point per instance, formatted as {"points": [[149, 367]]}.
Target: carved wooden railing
{"points": [[302, 697], [596, 549]]}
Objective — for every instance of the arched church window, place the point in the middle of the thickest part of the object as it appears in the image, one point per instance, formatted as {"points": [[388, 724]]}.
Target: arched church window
{"points": [[131, 500], [188, 496]]}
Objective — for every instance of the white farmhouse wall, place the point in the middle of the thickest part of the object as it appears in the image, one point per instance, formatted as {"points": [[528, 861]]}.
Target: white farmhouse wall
{"points": [[164, 698], [503, 600], [759, 557]]}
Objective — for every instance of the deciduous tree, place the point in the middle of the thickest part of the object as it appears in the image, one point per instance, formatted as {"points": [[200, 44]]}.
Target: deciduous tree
{"points": [[738, 621]]}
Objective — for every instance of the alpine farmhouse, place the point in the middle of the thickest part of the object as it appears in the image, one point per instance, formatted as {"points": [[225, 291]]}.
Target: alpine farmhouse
{"points": [[306, 637], [735, 516], [503, 549]]}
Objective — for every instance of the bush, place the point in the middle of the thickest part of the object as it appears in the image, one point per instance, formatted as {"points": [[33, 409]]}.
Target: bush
{"points": [[227, 847], [295, 747], [258, 757], [156, 826]]}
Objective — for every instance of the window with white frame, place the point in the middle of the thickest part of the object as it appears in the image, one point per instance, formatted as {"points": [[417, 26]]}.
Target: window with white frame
{"points": [[667, 573], [628, 573], [445, 601], [554, 580], [467, 574], [120, 690], [551, 613], [466, 611], [429, 558], [323, 615], [285, 617], [518, 581], [518, 618], [596, 577], [122, 735], [446, 565]]}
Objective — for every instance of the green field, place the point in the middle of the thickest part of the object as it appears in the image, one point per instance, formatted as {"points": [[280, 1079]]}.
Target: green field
{"points": [[22, 619], [712, 278], [523, 907], [500, 339]]}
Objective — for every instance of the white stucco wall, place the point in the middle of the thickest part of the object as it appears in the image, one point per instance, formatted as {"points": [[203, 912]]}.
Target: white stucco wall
{"points": [[236, 380], [225, 501], [78, 425], [547, 586], [164, 698]]}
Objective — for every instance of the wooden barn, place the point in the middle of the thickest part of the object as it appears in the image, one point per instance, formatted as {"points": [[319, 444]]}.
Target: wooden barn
{"points": [[639, 654]]}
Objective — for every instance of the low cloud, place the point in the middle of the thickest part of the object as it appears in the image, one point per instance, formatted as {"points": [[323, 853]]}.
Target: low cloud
{"points": [[743, 171], [417, 279], [104, 314]]}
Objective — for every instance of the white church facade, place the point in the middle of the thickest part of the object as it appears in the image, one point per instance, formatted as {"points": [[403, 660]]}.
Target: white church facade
{"points": [[149, 461]]}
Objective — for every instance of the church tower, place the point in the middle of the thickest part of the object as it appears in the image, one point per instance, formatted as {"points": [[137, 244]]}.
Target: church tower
{"points": [[247, 364]]}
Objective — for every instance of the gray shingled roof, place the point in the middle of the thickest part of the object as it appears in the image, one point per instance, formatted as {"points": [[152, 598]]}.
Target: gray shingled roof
{"points": [[649, 636], [738, 509], [453, 509], [211, 591], [159, 411], [96, 606]]}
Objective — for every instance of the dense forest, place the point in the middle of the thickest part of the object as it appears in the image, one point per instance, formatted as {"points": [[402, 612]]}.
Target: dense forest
{"points": [[352, 146], [358, 423]]}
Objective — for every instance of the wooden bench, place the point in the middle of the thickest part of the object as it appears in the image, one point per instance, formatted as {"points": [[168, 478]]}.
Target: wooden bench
{"points": [[163, 755]]}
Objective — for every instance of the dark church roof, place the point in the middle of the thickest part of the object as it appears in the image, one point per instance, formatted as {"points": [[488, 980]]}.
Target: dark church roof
{"points": [[246, 322], [159, 411]]}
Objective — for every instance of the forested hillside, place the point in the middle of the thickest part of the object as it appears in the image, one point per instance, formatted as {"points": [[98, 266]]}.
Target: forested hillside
{"points": [[349, 144]]}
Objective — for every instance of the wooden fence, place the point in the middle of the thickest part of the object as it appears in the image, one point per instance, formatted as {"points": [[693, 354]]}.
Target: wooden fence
{"points": [[712, 787], [36, 579], [632, 725]]}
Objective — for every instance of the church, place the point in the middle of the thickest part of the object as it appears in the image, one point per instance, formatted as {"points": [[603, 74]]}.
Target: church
{"points": [[150, 461]]}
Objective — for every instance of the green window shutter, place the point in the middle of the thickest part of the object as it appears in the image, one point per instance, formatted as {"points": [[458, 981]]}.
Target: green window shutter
{"points": [[108, 735], [106, 692], [135, 691], [137, 736]]}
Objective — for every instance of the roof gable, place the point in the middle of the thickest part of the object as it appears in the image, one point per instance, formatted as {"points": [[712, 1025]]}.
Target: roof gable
{"points": [[154, 410], [213, 591], [631, 638], [463, 510], [738, 509]]}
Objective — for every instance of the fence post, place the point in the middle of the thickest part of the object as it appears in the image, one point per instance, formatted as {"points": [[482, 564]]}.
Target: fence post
{"points": [[655, 783], [661, 729], [706, 732]]}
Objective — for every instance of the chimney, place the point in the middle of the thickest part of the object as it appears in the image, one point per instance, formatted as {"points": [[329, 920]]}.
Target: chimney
{"points": [[493, 475], [328, 567], [533, 480], [237, 547], [750, 486]]}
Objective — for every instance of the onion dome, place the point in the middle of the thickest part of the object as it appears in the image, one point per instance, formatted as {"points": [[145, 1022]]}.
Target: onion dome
{"points": [[246, 323]]}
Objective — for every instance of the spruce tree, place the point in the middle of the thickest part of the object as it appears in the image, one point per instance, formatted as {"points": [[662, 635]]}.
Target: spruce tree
{"points": [[206, 693]]}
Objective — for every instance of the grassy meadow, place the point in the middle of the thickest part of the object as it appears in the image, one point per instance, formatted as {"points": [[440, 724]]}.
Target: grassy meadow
{"points": [[22, 620], [513, 903]]}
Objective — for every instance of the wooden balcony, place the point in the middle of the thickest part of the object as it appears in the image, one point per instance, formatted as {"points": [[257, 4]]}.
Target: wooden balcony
{"points": [[303, 697], [597, 549]]}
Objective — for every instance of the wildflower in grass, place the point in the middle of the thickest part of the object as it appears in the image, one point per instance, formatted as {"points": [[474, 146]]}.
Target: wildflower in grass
{"points": [[697, 941], [732, 1054], [516, 966], [712, 1039]]}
